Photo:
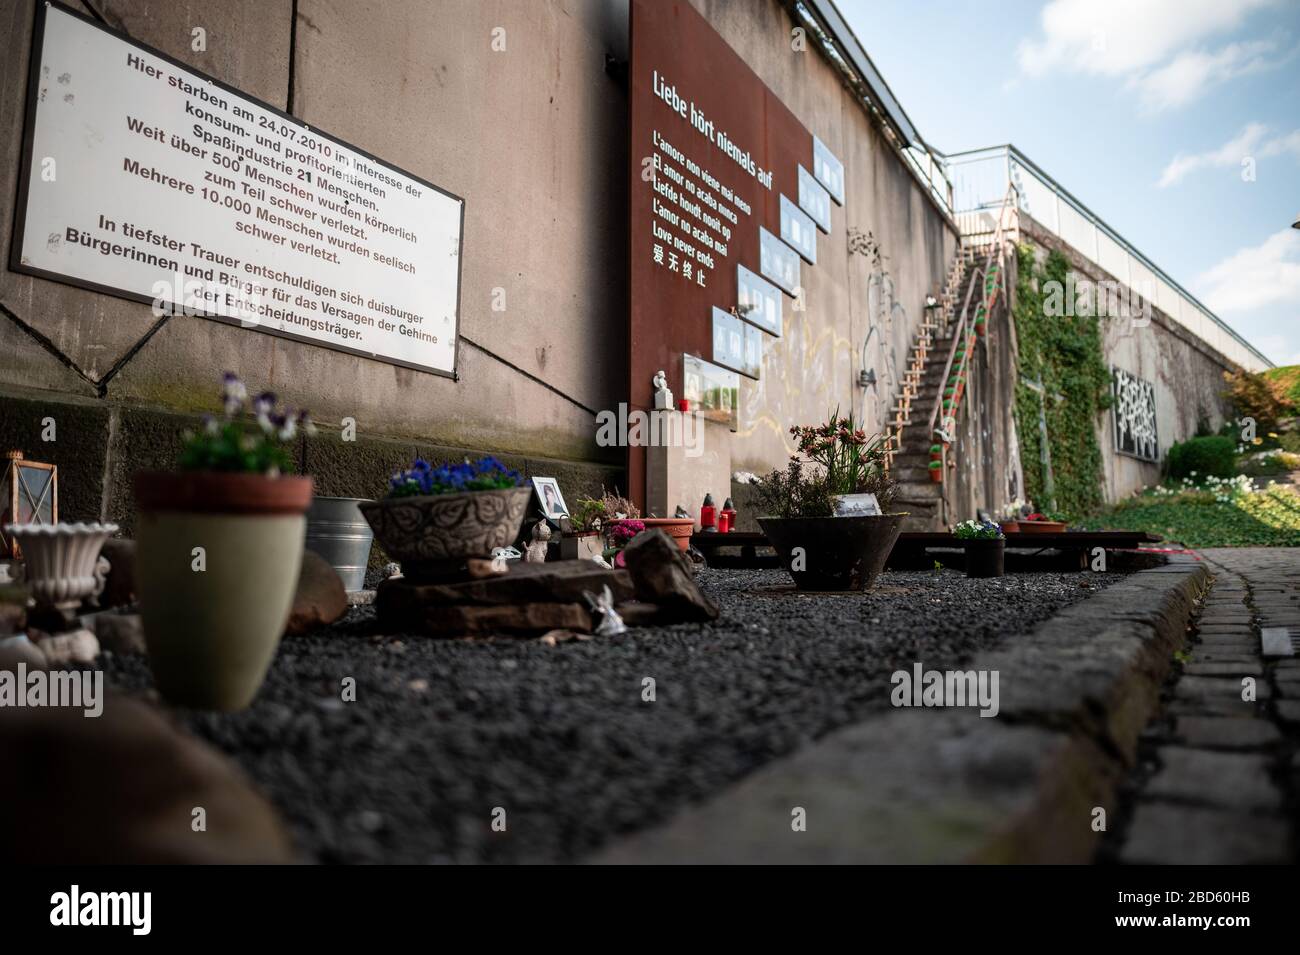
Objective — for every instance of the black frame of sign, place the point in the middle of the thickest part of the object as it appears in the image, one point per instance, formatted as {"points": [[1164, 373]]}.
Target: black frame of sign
{"points": [[24, 183]]}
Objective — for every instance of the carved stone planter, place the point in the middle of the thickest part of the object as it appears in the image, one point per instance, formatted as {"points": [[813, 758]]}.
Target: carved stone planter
{"points": [[59, 561], [433, 535]]}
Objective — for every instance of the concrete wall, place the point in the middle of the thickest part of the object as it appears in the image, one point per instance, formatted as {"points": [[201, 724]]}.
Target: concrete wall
{"points": [[1186, 371], [814, 367], [985, 472], [535, 140]]}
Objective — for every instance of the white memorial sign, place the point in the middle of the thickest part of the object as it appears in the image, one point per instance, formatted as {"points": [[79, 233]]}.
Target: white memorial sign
{"points": [[147, 180]]}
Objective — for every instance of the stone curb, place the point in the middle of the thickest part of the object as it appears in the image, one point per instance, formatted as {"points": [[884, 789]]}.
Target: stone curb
{"points": [[949, 786]]}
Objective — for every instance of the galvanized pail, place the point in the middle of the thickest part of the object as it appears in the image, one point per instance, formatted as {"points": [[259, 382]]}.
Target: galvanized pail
{"points": [[337, 531]]}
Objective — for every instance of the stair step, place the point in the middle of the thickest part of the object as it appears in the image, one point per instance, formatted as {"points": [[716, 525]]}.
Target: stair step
{"points": [[921, 493], [912, 475], [912, 458]]}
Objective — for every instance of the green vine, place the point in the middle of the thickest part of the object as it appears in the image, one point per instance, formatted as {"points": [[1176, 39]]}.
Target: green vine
{"points": [[1064, 354]]}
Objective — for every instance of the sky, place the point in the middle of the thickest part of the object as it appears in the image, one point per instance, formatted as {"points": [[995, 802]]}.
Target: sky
{"points": [[1143, 109]]}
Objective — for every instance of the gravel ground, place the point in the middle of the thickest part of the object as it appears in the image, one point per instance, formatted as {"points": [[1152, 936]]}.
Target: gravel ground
{"points": [[444, 732]]}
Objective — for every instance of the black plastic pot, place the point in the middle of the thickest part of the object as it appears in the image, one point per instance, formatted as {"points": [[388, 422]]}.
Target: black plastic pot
{"points": [[834, 553], [986, 558]]}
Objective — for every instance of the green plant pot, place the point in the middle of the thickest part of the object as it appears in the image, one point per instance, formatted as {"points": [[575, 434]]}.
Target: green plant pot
{"points": [[213, 619]]}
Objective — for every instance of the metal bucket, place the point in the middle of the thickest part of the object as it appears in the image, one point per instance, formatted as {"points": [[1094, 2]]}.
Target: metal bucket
{"points": [[337, 531]]}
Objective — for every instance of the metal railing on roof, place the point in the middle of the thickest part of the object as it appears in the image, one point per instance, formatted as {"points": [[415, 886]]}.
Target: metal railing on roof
{"points": [[842, 48], [980, 179]]}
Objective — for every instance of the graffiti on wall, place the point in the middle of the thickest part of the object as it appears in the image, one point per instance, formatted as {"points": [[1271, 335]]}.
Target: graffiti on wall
{"points": [[879, 367], [1135, 416]]}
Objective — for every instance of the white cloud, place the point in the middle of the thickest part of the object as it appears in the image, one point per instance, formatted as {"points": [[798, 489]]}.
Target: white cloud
{"points": [[1157, 46], [1290, 143], [1255, 277], [1250, 142], [1184, 78]]}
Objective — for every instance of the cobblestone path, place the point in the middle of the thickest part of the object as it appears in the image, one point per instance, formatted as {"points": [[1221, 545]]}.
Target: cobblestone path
{"points": [[1218, 779]]}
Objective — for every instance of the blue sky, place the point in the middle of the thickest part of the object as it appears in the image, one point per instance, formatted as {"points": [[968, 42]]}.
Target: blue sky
{"points": [[1144, 110]]}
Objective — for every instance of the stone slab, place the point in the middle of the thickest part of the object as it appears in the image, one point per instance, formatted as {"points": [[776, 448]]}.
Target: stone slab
{"points": [[1224, 668], [472, 619], [1218, 688], [1213, 732], [1228, 780], [913, 786], [1163, 834], [562, 581]]}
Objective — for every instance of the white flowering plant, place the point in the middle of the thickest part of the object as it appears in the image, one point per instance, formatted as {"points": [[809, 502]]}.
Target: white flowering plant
{"points": [[234, 444], [1201, 489], [977, 531]]}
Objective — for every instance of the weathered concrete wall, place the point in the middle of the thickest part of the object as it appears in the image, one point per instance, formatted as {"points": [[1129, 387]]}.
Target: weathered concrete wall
{"points": [[985, 473], [535, 139], [1186, 371], [814, 367]]}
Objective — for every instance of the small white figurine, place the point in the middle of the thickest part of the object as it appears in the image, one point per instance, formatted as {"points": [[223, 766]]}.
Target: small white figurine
{"points": [[611, 624], [663, 397], [536, 551]]}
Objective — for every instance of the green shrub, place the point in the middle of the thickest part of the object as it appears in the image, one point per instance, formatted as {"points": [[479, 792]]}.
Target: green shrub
{"points": [[1203, 457]]}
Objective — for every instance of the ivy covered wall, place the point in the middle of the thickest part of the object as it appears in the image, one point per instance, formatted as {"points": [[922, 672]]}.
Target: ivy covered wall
{"points": [[1064, 354]]}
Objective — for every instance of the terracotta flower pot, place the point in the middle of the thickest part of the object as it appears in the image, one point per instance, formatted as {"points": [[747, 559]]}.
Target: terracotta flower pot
{"points": [[1009, 527], [833, 553], [217, 561], [1042, 527], [936, 475], [433, 535], [985, 558], [678, 528]]}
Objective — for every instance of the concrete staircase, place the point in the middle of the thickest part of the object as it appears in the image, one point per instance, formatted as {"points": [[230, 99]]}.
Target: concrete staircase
{"points": [[923, 389]]}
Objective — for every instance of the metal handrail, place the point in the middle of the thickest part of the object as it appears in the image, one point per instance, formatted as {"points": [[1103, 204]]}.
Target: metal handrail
{"points": [[1011, 152], [966, 321]]}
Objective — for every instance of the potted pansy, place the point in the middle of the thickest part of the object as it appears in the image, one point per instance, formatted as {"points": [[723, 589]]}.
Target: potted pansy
{"points": [[435, 518], [219, 546], [797, 508], [985, 548]]}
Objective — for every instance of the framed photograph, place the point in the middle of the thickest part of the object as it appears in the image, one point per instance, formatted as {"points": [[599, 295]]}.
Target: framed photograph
{"points": [[548, 492]]}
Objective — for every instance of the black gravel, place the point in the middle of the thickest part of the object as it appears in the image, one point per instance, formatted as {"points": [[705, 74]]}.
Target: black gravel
{"points": [[559, 736]]}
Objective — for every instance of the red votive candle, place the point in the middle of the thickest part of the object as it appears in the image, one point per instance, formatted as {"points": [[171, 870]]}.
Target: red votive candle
{"points": [[707, 513]]}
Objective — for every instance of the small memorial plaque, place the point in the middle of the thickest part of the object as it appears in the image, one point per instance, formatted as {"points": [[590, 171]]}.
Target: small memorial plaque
{"points": [[857, 505]]}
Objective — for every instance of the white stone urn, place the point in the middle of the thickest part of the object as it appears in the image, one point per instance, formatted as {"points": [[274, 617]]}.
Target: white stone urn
{"points": [[61, 561]]}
